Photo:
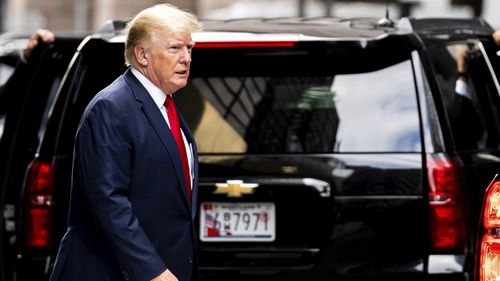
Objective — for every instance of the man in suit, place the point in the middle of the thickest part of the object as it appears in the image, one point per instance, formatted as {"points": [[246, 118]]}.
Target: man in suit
{"points": [[133, 198]]}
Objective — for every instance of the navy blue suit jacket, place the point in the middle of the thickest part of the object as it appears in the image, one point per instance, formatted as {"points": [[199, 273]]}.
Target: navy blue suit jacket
{"points": [[129, 217]]}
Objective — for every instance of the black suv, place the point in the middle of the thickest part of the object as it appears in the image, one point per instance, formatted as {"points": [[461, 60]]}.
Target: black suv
{"points": [[25, 106], [329, 149]]}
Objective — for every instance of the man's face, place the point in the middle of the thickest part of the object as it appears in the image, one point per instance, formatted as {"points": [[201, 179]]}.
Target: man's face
{"points": [[168, 60]]}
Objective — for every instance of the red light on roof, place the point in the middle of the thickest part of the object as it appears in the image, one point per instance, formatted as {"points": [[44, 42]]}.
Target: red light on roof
{"points": [[246, 44]]}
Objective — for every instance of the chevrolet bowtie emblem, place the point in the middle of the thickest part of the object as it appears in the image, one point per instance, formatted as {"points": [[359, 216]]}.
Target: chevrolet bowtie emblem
{"points": [[235, 188]]}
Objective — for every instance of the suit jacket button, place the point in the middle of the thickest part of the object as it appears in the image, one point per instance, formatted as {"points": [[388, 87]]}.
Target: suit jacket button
{"points": [[190, 259]]}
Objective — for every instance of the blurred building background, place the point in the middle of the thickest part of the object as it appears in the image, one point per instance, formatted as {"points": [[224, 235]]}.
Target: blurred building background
{"points": [[83, 16]]}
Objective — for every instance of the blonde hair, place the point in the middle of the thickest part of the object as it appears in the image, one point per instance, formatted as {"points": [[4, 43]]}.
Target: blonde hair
{"points": [[149, 23]]}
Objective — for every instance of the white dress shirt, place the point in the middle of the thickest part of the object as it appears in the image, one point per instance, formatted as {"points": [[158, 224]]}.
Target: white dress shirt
{"points": [[462, 89], [159, 99]]}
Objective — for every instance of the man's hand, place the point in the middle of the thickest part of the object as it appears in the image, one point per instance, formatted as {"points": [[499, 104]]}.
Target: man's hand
{"points": [[461, 59], [166, 275], [496, 37], [41, 35]]}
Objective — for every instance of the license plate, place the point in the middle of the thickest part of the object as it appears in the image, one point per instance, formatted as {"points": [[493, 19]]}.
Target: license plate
{"points": [[226, 222]]}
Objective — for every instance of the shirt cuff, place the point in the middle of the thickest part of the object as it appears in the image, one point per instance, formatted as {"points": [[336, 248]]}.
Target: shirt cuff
{"points": [[461, 88]]}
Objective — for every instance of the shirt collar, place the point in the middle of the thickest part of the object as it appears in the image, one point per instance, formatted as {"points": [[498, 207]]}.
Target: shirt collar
{"points": [[155, 92]]}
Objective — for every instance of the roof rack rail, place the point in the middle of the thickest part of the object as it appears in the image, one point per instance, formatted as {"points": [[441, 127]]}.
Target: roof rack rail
{"points": [[385, 23], [244, 19], [327, 19]]}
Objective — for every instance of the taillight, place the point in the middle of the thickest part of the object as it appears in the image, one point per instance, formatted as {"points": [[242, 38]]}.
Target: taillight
{"points": [[38, 205], [489, 249], [446, 201]]}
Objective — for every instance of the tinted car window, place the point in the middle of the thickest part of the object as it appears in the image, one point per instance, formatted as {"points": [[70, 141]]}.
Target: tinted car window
{"points": [[332, 111], [473, 116]]}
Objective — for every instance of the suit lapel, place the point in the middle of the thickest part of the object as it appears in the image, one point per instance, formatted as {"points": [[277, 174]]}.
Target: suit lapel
{"points": [[159, 125]]}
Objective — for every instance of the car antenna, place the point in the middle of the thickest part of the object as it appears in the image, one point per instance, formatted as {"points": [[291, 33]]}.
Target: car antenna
{"points": [[386, 21]]}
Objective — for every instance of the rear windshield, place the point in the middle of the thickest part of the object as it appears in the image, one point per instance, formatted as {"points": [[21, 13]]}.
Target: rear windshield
{"points": [[316, 97], [308, 101]]}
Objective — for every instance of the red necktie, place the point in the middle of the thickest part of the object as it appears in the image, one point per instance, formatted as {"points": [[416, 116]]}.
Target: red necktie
{"points": [[175, 128]]}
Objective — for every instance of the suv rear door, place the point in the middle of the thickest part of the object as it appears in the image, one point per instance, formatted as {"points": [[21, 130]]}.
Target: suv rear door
{"points": [[330, 132]]}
